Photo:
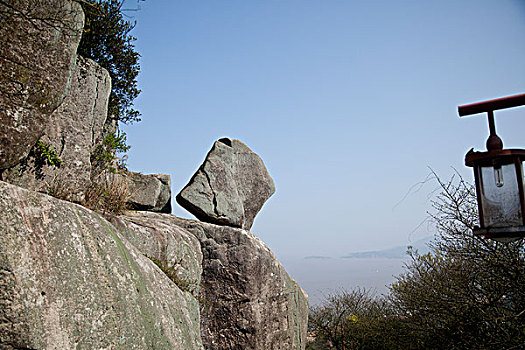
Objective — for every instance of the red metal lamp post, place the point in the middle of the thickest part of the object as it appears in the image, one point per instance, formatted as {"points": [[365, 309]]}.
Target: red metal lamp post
{"points": [[498, 174]]}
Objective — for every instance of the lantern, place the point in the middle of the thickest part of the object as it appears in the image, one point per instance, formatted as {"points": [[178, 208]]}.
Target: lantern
{"points": [[498, 175]]}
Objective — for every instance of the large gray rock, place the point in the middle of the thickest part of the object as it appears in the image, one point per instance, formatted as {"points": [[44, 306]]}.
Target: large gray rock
{"points": [[157, 235], [250, 301], [38, 43], [75, 129], [78, 123], [149, 192], [230, 187], [70, 280]]}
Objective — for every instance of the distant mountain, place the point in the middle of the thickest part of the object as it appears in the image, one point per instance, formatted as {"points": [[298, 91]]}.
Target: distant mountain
{"points": [[317, 257], [393, 253]]}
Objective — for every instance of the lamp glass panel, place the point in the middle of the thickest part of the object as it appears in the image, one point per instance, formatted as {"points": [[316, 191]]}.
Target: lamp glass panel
{"points": [[500, 196]]}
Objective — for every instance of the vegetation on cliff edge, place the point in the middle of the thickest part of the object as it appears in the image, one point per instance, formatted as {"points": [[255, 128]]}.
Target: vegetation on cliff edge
{"points": [[467, 293], [107, 40]]}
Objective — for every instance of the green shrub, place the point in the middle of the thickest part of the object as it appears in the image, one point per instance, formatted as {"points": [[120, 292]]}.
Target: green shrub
{"points": [[467, 293], [356, 319], [107, 41], [104, 157], [41, 154]]}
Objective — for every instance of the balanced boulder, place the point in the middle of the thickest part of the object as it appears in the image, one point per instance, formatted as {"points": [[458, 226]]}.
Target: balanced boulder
{"points": [[230, 187]]}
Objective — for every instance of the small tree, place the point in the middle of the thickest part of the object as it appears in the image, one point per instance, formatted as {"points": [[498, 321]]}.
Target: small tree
{"points": [[355, 319], [469, 292], [107, 41]]}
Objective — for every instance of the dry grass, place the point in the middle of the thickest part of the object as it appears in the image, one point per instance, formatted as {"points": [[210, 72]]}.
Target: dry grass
{"points": [[170, 271], [57, 186], [59, 189], [108, 193]]}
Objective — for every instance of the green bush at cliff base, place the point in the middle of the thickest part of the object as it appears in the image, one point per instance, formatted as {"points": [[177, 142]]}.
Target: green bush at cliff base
{"points": [[356, 319]]}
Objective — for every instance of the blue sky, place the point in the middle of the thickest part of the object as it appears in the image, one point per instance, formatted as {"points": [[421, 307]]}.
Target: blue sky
{"points": [[347, 102]]}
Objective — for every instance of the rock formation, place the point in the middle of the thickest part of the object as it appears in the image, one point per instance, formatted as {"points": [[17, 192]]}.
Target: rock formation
{"points": [[74, 130], [251, 302], [74, 278], [255, 304], [149, 192], [37, 57], [70, 280], [230, 187]]}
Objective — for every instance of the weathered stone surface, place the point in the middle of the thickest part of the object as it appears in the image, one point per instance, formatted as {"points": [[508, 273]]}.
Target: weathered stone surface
{"points": [[70, 280], [157, 235], [149, 192], [230, 187], [38, 43], [75, 129], [251, 302]]}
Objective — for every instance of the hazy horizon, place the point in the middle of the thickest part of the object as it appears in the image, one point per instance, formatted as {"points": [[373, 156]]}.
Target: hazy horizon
{"points": [[374, 270], [320, 278]]}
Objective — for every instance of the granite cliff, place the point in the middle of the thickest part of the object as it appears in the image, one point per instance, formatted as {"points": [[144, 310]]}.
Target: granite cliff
{"points": [[78, 278]]}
